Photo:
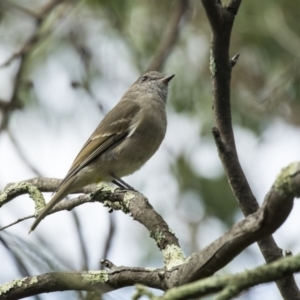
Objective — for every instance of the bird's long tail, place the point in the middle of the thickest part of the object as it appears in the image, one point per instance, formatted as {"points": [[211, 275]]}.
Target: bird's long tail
{"points": [[61, 193]]}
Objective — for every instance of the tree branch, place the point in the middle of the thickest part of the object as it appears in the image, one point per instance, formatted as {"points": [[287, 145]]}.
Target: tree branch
{"points": [[221, 20], [129, 202], [21, 154], [110, 235], [177, 271], [82, 245], [169, 36], [22, 54], [98, 281], [231, 286]]}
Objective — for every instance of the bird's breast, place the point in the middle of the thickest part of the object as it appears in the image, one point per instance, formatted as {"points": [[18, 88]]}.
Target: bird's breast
{"points": [[149, 128], [146, 133]]}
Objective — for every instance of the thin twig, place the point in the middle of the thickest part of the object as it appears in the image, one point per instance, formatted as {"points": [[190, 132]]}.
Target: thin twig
{"points": [[22, 54], [169, 36], [85, 56], [21, 267], [110, 235], [20, 8], [234, 60], [21, 154], [34, 37], [16, 222], [82, 245]]}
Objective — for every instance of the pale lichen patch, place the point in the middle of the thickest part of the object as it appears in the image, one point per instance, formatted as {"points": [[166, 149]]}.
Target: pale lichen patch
{"points": [[157, 235], [127, 198], [114, 205], [94, 277], [5, 288], [212, 65], [103, 187], [150, 269], [3, 197], [22, 187], [173, 256], [33, 280], [102, 191], [284, 183], [36, 196], [120, 205]]}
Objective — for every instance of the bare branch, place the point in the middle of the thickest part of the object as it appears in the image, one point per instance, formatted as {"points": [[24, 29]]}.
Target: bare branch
{"points": [[16, 222], [234, 60], [22, 268], [20, 189], [169, 36], [85, 55], [22, 55], [21, 154], [135, 203], [107, 264], [221, 20], [98, 281], [20, 8], [35, 36], [50, 185], [177, 271], [82, 244], [232, 285], [110, 235], [213, 10], [233, 6]]}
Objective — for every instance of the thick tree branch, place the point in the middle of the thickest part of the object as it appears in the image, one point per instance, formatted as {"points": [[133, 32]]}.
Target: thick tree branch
{"points": [[98, 281], [20, 189], [230, 286], [45, 185], [275, 209], [221, 20], [129, 202]]}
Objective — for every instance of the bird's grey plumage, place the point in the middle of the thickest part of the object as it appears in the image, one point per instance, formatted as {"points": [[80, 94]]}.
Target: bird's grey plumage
{"points": [[124, 140]]}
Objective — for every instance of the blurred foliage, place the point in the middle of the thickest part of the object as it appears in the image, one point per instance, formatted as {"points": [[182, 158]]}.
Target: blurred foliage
{"points": [[215, 193], [265, 81]]}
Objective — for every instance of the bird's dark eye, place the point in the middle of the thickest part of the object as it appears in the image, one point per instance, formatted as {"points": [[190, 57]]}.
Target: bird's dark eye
{"points": [[144, 78]]}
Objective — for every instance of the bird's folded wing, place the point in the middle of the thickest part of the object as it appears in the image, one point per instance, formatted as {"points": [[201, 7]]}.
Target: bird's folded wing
{"points": [[114, 127]]}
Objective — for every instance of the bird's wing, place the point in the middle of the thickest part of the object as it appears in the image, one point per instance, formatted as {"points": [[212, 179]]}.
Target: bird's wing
{"points": [[115, 126]]}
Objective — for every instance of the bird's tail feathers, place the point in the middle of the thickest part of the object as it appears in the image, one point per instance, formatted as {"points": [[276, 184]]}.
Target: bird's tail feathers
{"points": [[61, 193]]}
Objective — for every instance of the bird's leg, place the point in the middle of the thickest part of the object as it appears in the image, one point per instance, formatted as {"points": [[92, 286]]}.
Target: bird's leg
{"points": [[121, 183]]}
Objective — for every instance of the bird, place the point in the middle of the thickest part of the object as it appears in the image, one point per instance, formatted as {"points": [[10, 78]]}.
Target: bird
{"points": [[125, 139]]}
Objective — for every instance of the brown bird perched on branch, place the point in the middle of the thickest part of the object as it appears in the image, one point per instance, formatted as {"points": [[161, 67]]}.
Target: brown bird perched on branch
{"points": [[123, 141]]}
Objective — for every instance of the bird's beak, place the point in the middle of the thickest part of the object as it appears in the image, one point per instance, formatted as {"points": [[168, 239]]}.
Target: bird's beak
{"points": [[167, 79]]}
